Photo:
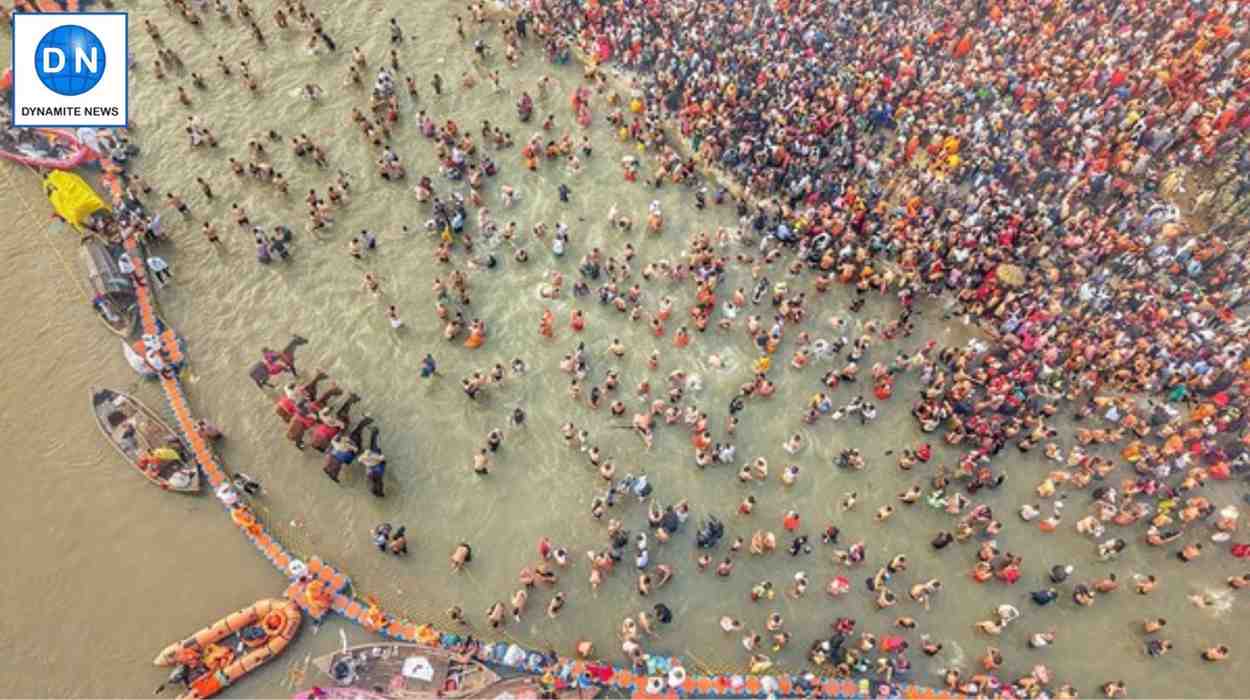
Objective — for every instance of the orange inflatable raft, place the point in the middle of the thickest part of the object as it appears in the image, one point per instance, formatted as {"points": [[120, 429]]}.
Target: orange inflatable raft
{"points": [[217, 666]]}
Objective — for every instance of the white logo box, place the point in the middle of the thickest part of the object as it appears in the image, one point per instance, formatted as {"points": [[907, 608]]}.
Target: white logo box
{"points": [[104, 105]]}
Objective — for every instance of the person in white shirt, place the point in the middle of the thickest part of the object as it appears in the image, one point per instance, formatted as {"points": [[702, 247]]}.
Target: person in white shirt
{"points": [[160, 270]]}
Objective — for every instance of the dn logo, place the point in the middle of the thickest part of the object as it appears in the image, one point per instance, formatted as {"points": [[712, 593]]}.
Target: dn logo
{"points": [[69, 60]]}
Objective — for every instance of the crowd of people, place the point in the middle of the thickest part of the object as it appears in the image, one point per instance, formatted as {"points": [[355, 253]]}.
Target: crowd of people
{"points": [[309, 413], [1021, 162], [331, 430], [1015, 165]]}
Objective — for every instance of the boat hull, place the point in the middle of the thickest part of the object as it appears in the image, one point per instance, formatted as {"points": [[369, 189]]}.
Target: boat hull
{"points": [[529, 687], [404, 671], [118, 307], [114, 411]]}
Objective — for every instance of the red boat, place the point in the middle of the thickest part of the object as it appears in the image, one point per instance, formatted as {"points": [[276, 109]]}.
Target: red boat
{"points": [[47, 149]]}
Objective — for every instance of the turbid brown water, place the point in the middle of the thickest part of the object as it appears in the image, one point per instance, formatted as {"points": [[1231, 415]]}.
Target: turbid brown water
{"points": [[104, 570]]}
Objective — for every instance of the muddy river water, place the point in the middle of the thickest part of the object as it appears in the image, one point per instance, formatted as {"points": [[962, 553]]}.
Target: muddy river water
{"points": [[102, 570]]}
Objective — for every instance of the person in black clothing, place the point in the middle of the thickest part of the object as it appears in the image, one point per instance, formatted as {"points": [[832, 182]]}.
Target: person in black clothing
{"points": [[1044, 597], [246, 484], [375, 464], [326, 38]]}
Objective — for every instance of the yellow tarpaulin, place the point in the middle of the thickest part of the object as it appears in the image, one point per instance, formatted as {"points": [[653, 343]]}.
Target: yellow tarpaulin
{"points": [[72, 198]]}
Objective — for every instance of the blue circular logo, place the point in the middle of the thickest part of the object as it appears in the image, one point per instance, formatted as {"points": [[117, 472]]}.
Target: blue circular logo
{"points": [[69, 60]]}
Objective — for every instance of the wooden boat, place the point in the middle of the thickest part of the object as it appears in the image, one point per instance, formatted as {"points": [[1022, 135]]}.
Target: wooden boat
{"points": [[266, 628], [402, 671], [522, 688], [113, 293], [336, 693], [146, 441], [528, 687]]}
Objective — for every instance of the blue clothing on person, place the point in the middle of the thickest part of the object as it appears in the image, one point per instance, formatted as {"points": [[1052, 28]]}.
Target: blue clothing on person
{"points": [[428, 367]]}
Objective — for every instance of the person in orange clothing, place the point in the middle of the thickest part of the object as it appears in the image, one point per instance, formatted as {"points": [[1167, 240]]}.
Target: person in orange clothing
{"points": [[577, 321], [657, 326], [682, 338], [477, 334], [545, 325]]}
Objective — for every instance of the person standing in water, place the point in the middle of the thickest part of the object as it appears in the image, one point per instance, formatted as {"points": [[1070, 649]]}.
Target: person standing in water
{"points": [[428, 367], [375, 464]]}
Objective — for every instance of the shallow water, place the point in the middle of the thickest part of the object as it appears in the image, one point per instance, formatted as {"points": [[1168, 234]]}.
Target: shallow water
{"points": [[83, 623]]}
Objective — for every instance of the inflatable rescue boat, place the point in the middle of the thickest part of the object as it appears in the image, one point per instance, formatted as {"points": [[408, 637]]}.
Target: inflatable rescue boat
{"points": [[265, 628]]}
